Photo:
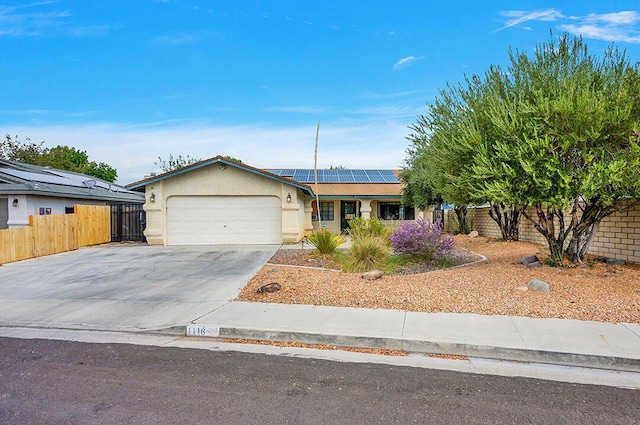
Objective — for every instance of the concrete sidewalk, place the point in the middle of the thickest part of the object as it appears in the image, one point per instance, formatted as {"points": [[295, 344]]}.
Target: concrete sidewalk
{"points": [[552, 341]]}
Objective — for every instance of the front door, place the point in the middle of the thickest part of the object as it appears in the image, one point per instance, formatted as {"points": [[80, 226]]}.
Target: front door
{"points": [[347, 212]]}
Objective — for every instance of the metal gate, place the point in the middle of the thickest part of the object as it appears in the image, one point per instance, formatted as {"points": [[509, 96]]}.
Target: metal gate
{"points": [[128, 222], [438, 216]]}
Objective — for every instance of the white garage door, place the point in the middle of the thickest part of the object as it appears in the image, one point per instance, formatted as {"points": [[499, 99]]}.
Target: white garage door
{"points": [[223, 220]]}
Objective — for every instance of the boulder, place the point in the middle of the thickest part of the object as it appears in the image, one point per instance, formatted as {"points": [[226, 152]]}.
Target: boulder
{"points": [[474, 234], [529, 259], [372, 275], [269, 287], [534, 264], [538, 285]]}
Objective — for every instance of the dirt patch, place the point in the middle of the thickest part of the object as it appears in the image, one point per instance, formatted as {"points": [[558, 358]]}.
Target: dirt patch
{"points": [[378, 351], [602, 292]]}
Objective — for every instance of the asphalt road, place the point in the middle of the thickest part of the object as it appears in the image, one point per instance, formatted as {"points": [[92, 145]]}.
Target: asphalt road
{"points": [[62, 382]]}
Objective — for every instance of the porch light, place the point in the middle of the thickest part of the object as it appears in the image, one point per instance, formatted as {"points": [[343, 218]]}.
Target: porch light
{"points": [[15, 202], [152, 198], [288, 198]]}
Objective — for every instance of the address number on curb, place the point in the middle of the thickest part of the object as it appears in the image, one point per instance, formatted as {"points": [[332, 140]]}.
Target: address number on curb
{"points": [[200, 330]]}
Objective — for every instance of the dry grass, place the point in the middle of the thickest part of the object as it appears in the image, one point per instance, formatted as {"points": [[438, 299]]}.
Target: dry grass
{"points": [[604, 293]]}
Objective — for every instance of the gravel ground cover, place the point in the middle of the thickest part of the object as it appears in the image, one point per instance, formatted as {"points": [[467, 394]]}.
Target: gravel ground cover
{"points": [[498, 286]]}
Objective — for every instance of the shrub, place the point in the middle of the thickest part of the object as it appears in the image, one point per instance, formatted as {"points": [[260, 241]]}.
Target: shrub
{"points": [[360, 227], [366, 253], [325, 241], [421, 238]]}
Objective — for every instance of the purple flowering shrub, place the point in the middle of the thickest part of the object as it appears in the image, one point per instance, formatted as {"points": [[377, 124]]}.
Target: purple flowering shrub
{"points": [[421, 238]]}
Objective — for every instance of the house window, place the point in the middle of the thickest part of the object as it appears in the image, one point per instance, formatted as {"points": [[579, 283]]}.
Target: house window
{"points": [[326, 211], [68, 210], [395, 211]]}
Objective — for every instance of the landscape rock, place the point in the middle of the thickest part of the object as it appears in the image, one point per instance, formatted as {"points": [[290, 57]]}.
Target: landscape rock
{"points": [[474, 234], [269, 287], [538, 285], [616, 262], [372, 275], [529, 259], [535, 264]]}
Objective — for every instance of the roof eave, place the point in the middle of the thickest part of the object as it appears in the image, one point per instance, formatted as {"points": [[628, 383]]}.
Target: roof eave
{"points": [[219, 160]]}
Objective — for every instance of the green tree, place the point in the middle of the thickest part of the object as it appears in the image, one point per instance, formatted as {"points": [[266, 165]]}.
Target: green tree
{"points": [[66, 158], [13, 149], [60, 157], [418, 189], [571, 143], [443, 145], [177, 162], [102, 171]]}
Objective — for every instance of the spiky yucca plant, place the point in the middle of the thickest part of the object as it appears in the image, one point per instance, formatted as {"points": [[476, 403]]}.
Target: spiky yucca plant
{"points": [[325, 241]]}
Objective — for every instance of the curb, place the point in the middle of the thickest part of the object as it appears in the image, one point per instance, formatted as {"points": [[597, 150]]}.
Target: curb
{"points": [[621, 364]]}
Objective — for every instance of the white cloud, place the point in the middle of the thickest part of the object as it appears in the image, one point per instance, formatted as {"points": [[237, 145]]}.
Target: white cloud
{"points": [[627, 17], [405, 62], [612, 34], [521, 16], [34, 19], [615, 27], [132, 150]]}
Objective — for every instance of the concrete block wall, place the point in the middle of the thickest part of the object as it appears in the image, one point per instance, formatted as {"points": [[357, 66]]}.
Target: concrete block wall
{"points": [[618, 235]]}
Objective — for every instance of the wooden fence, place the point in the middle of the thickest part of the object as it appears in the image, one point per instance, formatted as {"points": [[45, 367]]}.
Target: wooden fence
{"points": [[52, 234]]}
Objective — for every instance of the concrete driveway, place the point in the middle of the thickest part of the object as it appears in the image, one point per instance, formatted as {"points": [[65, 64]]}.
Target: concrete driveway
{"points": [[125, 287]]}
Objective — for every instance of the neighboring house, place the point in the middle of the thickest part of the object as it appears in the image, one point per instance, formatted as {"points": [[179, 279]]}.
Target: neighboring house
{"points": [[27, 189], [221, 201]]}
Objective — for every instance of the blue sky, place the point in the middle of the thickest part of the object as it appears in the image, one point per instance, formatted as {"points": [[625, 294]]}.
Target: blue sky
{"points": [[129, 81]]}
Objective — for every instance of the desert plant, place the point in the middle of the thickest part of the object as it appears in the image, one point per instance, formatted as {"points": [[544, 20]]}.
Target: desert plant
{"points": [[362, 227], [325, 241], [421, 238], [366, 253]]}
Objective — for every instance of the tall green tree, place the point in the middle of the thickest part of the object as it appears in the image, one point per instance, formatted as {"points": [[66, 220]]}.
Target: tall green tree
{"points": [[558, 131], [443, 146], [60, 157], [571, 141]]}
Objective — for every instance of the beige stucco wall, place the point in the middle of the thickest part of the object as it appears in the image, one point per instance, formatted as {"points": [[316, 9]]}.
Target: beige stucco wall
{"points": [[215, 180], [331, 225]]}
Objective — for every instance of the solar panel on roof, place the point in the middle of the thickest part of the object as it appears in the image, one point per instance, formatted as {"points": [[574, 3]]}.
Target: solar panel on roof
{"points": [[305, 175], [389, 176], [42, 178]]}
